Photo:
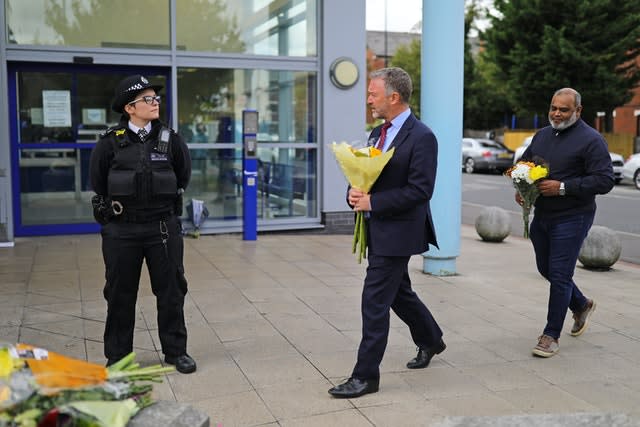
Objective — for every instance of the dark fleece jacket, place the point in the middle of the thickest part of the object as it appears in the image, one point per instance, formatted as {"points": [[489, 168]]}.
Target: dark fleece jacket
{"points": [[577, 156]]}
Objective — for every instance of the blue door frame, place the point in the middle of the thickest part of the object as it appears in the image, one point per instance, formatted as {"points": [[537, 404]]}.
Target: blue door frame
{"points": [[14, 128]]}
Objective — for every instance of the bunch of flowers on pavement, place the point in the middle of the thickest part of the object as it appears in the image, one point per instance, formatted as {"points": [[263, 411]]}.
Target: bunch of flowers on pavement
{"points": [[361, 167], [40, 388], [524, 176]]}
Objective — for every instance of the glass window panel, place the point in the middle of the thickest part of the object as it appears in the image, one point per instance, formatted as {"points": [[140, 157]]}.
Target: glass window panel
{"points": [[210, 120], [58, 110], [287, 185], [287, 182], [96, 23], [44, 106], [52, 109], [285, 101], [261, 27], [54, 186]]}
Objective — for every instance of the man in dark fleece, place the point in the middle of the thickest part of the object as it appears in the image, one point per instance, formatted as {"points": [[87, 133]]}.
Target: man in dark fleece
{"points": [[579, 168]]}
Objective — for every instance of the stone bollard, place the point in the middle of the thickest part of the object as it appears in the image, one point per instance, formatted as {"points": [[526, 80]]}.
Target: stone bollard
{"points": [[601, 249], [493, 224]]}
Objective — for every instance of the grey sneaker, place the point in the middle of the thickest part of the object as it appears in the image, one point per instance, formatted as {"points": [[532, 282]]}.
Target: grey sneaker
{"points": [[581, 319], [547, 346]]}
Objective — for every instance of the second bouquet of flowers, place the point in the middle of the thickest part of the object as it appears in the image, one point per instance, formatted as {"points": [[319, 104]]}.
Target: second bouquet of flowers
{"points": [[361, 167], [524, 176]]}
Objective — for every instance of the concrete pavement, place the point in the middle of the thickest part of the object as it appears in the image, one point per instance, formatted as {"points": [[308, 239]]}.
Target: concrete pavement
{"points": [[273, 324]]}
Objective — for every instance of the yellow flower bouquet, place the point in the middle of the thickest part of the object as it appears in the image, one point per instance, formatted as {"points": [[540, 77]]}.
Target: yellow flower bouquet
{"points": [[524, 176], [361, 167]]}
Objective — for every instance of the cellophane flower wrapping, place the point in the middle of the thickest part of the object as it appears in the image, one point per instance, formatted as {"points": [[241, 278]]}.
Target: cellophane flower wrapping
{"points": [[46, 389], [524, 176], [361, 167]]}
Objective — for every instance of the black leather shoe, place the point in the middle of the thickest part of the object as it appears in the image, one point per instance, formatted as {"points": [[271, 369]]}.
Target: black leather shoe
{"points": [[354, 387], [425, 355], [184, 364]]}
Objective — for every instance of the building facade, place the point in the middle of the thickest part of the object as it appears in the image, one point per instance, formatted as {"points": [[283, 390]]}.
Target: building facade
{"points": [[61, 60]]}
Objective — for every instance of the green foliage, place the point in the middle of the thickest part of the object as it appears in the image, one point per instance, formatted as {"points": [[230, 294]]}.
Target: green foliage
{"points": [[485, 101], [540, 46], [407, 57]]}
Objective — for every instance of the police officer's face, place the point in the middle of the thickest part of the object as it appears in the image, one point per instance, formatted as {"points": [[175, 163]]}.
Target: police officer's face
{"points": [[140, 110]]}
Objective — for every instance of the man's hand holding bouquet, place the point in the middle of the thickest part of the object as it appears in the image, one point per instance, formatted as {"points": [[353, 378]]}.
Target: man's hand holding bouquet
{"points": [[361, 167], [524, 176]]}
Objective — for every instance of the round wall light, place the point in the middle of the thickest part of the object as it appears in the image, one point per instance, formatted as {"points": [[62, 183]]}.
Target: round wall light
{"points": [[344, 73]]}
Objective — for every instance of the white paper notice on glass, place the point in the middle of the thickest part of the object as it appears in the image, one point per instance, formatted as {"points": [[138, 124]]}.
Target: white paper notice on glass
{"points": [[56, 106]]}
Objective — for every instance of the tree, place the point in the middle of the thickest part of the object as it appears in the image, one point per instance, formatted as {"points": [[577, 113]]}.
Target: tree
{"points": [[485, 102], [407, 57], [539, 46]]}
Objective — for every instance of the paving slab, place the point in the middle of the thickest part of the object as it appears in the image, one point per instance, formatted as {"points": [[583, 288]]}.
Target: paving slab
{"points": [[549, 420], [274, 323]]}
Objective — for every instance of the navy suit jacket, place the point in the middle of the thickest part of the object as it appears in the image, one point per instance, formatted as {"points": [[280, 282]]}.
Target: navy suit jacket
{"points": [[400, 223]]}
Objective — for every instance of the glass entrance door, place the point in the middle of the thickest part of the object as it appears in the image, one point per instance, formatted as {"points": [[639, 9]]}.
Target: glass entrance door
{"points": [[57, 114]]}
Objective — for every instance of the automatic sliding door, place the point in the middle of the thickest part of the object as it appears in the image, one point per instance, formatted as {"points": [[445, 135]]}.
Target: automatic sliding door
{"points": [[59, 115]]}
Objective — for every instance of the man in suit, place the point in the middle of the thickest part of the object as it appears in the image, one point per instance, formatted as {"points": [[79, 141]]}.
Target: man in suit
{"points": [[399, 225]]}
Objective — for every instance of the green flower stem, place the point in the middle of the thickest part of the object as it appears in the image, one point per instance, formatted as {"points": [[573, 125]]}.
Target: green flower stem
{"points": [[360, 237]]}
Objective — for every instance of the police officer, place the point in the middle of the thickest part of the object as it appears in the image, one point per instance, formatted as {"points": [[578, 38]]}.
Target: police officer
{"points": [[139, 170]]}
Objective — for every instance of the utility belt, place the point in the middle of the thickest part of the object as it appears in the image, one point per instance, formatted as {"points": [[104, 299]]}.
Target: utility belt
{"points": [[143, 217]]}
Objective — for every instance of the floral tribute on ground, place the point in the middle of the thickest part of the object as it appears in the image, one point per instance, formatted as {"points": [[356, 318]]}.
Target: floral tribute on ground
{"points": [[361, 167], [524, 176], [40, 388]]}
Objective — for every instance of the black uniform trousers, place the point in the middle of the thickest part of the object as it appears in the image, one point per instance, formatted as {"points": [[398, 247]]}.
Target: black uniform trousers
{"points": [[388, 286], [125, 245]]}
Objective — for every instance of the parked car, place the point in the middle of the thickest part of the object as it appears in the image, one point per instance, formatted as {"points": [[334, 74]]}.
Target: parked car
{"points": [[618, 164], [520, 150], [616, 159], [631, 169], [485, 154]]}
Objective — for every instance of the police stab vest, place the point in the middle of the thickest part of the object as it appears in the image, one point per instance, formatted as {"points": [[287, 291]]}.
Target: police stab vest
{"points": [[141, 176]]}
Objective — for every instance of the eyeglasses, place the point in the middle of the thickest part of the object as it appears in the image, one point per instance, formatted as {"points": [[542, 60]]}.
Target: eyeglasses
{"points": [[147, 99]]}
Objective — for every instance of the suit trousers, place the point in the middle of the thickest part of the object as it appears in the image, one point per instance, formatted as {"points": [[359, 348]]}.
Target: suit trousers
{"points": [[387, 285], [125, 247]]}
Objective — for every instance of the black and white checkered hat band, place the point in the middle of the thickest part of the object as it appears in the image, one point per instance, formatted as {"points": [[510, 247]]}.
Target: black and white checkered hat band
{"points": [[136, 86]]}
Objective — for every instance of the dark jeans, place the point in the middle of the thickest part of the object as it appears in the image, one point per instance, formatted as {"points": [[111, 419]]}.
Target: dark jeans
{"points": [[557, 243]]}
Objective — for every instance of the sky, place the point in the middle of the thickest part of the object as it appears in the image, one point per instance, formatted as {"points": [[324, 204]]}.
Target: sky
{"points": [[399, 19]]}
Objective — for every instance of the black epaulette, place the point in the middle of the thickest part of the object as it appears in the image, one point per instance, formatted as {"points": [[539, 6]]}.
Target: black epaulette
{"points": [[111, 129], [119, 133]]}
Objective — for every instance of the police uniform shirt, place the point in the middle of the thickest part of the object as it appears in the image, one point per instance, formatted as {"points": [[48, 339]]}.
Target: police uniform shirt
{"points": [[136, 129]]}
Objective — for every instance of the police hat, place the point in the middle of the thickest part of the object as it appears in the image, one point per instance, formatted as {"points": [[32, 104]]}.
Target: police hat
{"points": [[128, 89]]}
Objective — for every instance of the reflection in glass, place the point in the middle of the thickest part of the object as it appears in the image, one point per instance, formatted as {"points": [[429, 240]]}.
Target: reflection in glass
{"points": [[286, 182], [54, 186], [89, 23], [36, 124], [210, 120], [284, 100], [67, 107], [59, 113], [261, 27]]}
